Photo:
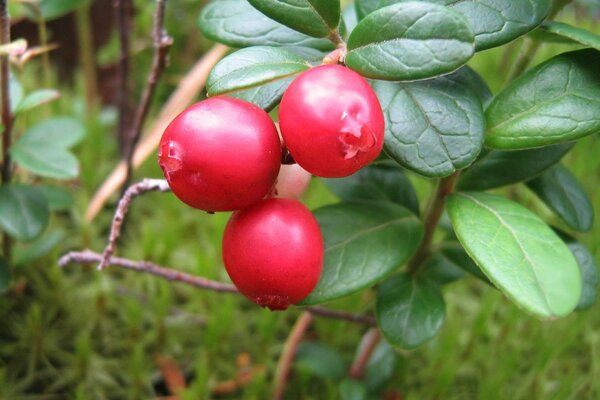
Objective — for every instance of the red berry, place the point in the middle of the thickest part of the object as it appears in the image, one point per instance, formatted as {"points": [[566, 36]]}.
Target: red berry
{"points": [[221, 154], [331, 121], [273, 252], [292, 181]]}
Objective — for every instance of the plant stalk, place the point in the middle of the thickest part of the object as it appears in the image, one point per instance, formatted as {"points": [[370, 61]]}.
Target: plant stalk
{"points": [[86, 57], [7, 115]]}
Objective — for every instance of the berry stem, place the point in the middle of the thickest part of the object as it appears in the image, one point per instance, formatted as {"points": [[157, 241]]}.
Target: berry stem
{"points": [[434, 213], [365, 351]]}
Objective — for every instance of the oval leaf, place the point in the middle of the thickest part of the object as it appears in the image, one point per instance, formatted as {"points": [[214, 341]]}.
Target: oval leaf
{"points": [[61, 132], [499, 168], [238, 24], [266, 96], [557, 101], [589, 274], [572, 33], [364, 242], [380, 367], [520, 254], [449, 263], [52, 9], [562, 192], [23, 211], [320, 360], [36, 99], [383, 181], [410, 41], [366, 7], [432, 127], [45, 159], [409, 311], [314, 17], [252, 67]]}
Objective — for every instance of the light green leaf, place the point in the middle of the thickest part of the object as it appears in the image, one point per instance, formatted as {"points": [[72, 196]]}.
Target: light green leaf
{"points": [[520, 254], [238, 24], [562, 192], [555, 102], [52, 9], [353, 390], [38, 248], [366, 7], [44, 158], [23, 211], [410, 41], [432, 127], [380, 367], [16, 92], [383, 181], [364, 242], [253, 67], [35, 99], [63, 132], [316, 18], [320, 360], [571, 33], [409, 311], [59, 199], [349, 19], [498, 168]]}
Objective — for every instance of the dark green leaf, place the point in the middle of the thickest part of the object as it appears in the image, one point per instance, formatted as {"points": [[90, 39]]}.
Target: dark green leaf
{"points": [[467, 77], [23, 211], [449, 263], [52, 9], [380, 367], [238, 24], [253, 67], [320, 360], [409, 311], [266, 96], [499, 168], [38, 248], [562, 192], [433, 127], [555, 102], [353, 390], [35, 99], [366, 7], [572, 33], [518, 252], [314, 17], [410, 41], [59, 199], [589, 272], [383, 181], [5, 276], [364, 242]]}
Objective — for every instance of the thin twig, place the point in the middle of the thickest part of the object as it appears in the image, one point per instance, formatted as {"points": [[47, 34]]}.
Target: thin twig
{"points": [[284, 365], [123, 17], [90, 257], [146, 185], [7, 115], [365, 351], [432, 218], [162, 44]]}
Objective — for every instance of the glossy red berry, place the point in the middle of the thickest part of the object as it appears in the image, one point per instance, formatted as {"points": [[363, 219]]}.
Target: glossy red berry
{"points": [[331, 121], [292, 181], [221, 154], [273, 252]]}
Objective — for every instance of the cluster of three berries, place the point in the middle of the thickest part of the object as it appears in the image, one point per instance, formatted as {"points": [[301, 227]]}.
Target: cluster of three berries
{"points": [[224, 154]]}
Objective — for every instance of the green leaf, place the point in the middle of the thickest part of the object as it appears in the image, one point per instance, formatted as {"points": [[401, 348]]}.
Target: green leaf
{"points": [[38, 248], [42, 157], [432, 127], [62, 132], [5, 276], [518, 252], [364, 242], [253, 67], [16, 92], [469, 78], [562, 192], [59, 199], [384, 181], [23, 211], [572, 33], [349, 19], [499, 168], [410, 41], [266, 96], [353, 390], [555, 102], [35, 99], [52, 9], [589, 272], [365, 7], [314, 17], [449, 263], [320, 360], [409, 311], [380, 367], [238, 24]]}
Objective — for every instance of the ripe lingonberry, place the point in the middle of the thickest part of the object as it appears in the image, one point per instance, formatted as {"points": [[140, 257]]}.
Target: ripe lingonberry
{"points": [[221, 154], [331, 121], [292, 181], [273, 252]]}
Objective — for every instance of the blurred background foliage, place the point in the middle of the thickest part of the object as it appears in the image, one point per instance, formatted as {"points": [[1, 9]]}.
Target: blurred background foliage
{"points": [[79, 334]]}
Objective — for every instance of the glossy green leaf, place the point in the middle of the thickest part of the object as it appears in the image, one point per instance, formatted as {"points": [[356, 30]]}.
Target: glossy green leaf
{"points": [[384, 181], [238, 24], [572, 33], [266, 96], [518, 252], [555, 102], [23, 211], [364, 242], [59, 199], [314, 17], [320, 360], [433, 127], [41, 246], [410, 41], [5, 276], [589, 272], [562, 192], [42, 157], [409, 311], [52, 9], [366, 7], [353, 390], [467, 77], [498, 168], [253, 67], [36, 99], [380, 367], [448, 263]]}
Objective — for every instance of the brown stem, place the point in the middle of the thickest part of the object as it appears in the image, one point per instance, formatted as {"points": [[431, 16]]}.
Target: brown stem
{"points": [[436, 208], [86, 56], [7, 115], [367, 347], [162, 44], [284, 365], [146, 185], [123, 17]]}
